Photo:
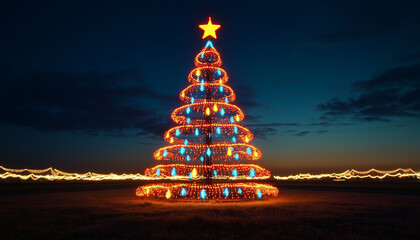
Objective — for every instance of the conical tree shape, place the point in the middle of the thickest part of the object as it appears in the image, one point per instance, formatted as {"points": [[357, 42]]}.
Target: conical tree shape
{"points": [[209, 149]]}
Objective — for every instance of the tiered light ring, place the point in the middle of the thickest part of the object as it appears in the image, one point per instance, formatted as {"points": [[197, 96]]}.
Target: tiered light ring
{"points": [[209, 143], [215, 191], [218, 171]]}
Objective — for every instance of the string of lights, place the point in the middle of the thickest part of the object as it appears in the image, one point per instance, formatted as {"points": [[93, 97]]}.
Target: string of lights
{"points": [[52, 174], [215, 191], [209, 143], [354, 174], [218, 171]]}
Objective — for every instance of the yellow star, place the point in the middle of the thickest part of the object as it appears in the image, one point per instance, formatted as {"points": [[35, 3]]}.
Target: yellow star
{"points": [[209, 29]]}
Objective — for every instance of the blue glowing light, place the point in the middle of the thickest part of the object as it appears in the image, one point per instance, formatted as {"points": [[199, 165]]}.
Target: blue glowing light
{"points": [[202, 55], [165, 153], [235, 129], [248, 150], [177, 132], [192, 99], [219, 72], [158, 172], [259, 193], [209, 44], [252, 172], [182, 150], [186, 142], [196, 132], [202, 87], [188, 120], [226, 100], [218, 131], [222, 112], [203, 194], [236, 156], [188, 158], [234, 172], [215, 173], [188, 110], [240, 191], [234, 139], [208, 152], [202, 158], [232, 120], [221, 88], [173, 172], [226, 192], [190, 175], [210, 59], [183, 192]]}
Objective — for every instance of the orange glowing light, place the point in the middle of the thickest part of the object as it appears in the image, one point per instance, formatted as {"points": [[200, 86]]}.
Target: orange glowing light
{"points": [[195, 149], [198, 73], [229, 152], [189, 129], [194, 173], [178, 115], [191, 90], [209, 29], [247, 190], [208, 111], [168, 194], [224, 171], [215, 108], [52, 174]]}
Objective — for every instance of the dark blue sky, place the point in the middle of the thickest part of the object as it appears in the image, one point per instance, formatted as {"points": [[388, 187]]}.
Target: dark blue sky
{"points": [[90, 85]]}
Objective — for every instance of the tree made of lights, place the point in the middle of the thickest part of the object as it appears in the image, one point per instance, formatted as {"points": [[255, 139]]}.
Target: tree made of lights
{"points": [[209, 150]]}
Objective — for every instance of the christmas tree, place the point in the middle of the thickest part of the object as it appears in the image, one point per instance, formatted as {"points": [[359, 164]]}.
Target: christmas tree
{"points": [[209, 153]]}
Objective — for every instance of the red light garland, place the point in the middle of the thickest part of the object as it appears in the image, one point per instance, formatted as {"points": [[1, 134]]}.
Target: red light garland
{"points": [[219, 171], [215, 191]]}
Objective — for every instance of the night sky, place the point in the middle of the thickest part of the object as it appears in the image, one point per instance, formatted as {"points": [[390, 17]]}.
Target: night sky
{"points": [[90, 85]]}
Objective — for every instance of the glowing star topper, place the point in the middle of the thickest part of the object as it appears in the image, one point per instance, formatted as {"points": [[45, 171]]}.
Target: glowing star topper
{"points": [[209, 29]]}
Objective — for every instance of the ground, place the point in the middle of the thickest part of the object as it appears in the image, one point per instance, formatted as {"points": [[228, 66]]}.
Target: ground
{"points": [[95, 211]]}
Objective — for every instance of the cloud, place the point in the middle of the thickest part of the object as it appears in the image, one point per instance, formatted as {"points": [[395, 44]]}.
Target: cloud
{"points": [[303, 133], [262, 130], [371, 19], [92, 103], [245, 96], [341, 36], [395, 93], [407, 57], [275, 124]]}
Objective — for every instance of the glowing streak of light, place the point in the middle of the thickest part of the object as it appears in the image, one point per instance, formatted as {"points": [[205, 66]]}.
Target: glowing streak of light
{"points": [[53, 174], [354, 174]]}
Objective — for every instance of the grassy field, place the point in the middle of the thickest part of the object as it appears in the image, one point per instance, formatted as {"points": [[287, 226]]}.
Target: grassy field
{"points": [[308, 210]]}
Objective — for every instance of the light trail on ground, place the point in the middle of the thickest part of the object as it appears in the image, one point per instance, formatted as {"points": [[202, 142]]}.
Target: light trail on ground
{"points": [[52, 174], [354, 174]]}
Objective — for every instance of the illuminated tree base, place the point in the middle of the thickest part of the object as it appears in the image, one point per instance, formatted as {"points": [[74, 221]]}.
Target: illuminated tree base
{"points": [[202, 191]]}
